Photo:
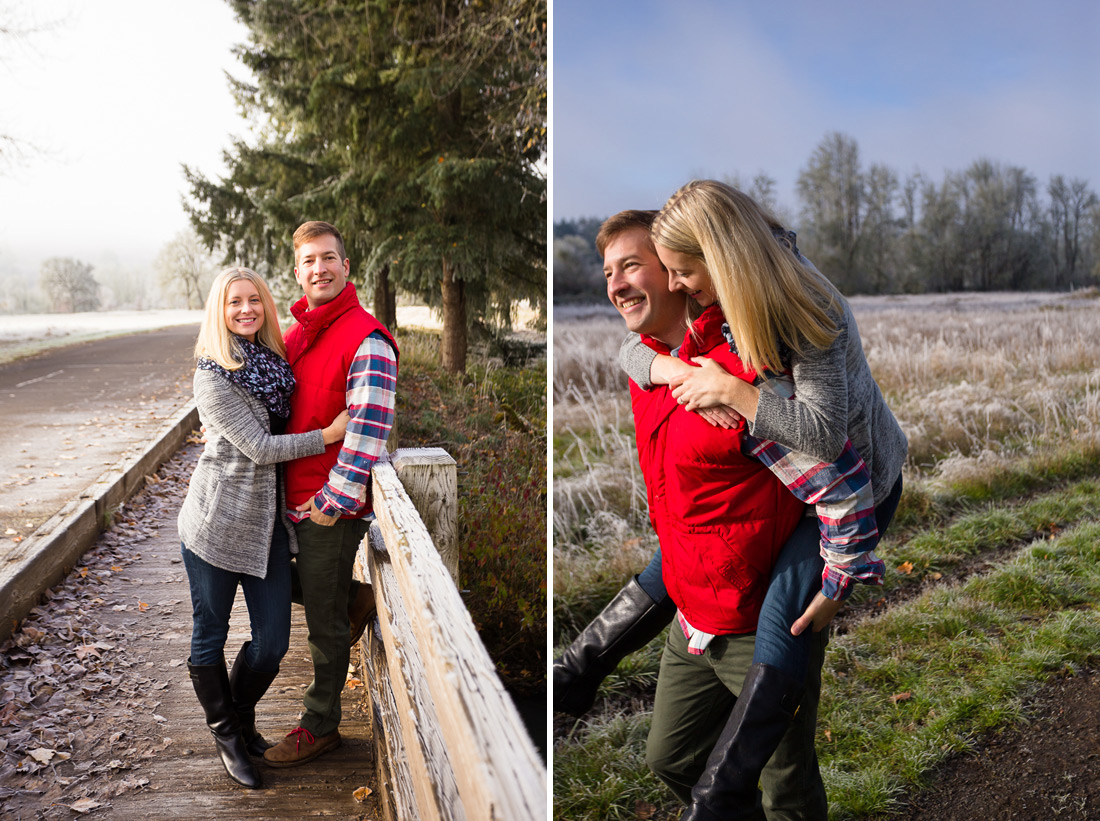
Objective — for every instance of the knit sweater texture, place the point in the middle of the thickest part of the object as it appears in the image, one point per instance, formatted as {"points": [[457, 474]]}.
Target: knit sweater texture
{"points": [[228, 516]]}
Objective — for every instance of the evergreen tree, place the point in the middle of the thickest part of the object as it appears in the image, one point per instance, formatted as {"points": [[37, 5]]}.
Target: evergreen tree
{"points": [[417, 128]]}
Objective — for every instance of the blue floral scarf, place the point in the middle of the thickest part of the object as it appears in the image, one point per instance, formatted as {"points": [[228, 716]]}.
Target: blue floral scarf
{"points": [[264, 374]]}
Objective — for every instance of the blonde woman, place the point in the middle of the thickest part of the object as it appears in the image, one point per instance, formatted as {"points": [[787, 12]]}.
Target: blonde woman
{"points": [[232, 527], [784, 318]]}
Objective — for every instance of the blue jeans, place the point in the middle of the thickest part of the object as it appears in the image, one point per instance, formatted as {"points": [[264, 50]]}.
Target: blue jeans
{"points": [[212, 593], [796, 577]]}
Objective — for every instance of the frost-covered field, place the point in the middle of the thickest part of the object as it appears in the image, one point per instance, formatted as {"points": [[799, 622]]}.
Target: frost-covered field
{"points": [[26, 327], [25, 334]]}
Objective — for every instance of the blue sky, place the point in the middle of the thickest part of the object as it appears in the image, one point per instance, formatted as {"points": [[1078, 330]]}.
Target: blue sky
{"points": [[647, 95]]}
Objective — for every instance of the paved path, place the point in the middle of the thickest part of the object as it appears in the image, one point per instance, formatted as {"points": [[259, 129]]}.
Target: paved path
{"points": [[68, 415], [97, 713]]}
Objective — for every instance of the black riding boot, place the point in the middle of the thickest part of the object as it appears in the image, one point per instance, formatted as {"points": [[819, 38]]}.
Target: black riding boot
{"points": [[212, 687], [727, 790], [629, 622], [248, 687]]}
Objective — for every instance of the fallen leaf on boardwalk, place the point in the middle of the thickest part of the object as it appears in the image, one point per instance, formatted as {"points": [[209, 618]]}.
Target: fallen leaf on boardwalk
{"points": [[42, 755], [362, 793], [84, 805], [905, 568], [898, 697], [143, 606], [352, 683]]}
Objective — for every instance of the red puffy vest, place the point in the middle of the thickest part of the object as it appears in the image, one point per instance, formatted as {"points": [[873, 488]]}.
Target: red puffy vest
{"points": [[721, 517], [321, 348]]}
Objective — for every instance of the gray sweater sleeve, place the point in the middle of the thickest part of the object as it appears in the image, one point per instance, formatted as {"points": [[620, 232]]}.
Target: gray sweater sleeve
{"points": [[636, 358], [816, 420], [224, 410]]}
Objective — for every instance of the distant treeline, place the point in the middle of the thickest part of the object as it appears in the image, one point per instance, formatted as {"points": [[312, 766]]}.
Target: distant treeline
{"points": [[989, 228]]}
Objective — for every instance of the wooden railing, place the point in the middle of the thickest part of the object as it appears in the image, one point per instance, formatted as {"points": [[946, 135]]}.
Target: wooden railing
{"points": [[449, 743]]}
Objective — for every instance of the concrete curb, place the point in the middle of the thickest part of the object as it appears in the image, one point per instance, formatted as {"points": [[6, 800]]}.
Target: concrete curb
{"points": [[47, 555]]}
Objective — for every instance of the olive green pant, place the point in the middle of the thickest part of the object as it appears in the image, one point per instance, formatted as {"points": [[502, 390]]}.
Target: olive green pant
{"points": [[321, 580], [695, 695]]}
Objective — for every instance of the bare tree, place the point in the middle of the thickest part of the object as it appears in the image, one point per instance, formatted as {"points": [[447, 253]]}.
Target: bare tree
{"points": [[1070, 205], [15, 27], [69, 285], [834, 190], [185, 268]]}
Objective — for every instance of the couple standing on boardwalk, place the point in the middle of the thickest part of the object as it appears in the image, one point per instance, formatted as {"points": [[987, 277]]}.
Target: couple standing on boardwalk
{"points": [[322, 401]]}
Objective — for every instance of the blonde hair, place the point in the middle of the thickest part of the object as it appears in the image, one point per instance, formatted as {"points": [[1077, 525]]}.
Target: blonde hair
{"points": [[215, 340], [769, 297]]}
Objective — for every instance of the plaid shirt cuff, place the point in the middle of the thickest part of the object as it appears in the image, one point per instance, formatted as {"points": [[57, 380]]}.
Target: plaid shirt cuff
{"points": [[838, 583]]}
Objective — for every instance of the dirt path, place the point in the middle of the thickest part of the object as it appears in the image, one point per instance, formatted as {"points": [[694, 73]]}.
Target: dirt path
{"points": [[98, 717], [1046, 769], [69, 415]]}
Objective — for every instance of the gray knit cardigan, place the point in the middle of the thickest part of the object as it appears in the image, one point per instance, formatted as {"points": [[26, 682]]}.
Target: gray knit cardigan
{"points": [[229, 514], [826, 411]]}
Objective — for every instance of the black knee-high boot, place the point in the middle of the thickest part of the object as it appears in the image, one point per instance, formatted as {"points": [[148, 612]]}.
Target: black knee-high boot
{"points": [[727, 791], [211, 683], [248, 687], [629, 622]]}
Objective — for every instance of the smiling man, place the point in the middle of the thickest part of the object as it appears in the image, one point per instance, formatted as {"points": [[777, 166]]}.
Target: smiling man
{"points": [[637, 283], [341, 357]]}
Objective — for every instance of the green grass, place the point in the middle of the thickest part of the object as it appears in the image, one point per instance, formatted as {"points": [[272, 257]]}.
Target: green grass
{"points": [[607, 776], [926, 679]]}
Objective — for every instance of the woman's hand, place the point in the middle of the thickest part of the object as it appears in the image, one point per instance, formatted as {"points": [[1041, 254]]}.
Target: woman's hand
{"points": [[335, 431], [707, 386], [664, 368], [818, 614]]}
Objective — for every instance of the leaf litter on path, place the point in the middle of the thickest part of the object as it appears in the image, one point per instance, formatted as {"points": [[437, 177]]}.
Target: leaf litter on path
{"points": [[78, 708]]}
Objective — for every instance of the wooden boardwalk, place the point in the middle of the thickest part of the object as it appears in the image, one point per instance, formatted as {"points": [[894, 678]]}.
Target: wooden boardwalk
{"points": [[137, 746]]}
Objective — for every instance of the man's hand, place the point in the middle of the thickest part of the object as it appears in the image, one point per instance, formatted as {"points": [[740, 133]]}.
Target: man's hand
{"points": [[721, 416], [315, 515], [818, 614]]}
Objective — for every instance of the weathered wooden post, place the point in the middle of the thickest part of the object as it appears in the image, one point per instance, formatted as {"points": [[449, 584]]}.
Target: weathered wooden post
{"points": [[430, 477], [448, 740]]}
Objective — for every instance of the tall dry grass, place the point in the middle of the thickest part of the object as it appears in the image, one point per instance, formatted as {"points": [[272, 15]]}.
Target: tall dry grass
{"points": [[976, 384]]}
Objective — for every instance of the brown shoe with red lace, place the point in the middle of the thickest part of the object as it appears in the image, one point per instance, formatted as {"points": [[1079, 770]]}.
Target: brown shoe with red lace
{"points": [[300, 746]]}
